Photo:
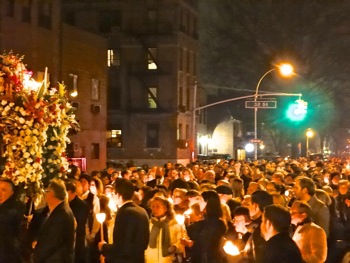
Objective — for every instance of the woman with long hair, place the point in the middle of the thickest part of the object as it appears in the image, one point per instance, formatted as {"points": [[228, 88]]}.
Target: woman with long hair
{"points": [[207, 233]]}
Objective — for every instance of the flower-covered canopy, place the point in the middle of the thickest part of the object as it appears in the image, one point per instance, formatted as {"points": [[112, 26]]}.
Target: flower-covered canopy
{"points": [[34, 123]]}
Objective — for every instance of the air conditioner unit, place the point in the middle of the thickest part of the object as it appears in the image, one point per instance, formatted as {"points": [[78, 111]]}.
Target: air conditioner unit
{"points": [[95, 109]]}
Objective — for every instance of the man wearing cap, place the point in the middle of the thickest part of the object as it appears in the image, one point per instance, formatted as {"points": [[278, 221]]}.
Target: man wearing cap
{"points": [[225, 193]]}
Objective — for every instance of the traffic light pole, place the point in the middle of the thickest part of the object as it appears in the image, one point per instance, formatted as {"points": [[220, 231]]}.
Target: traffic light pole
{"points": [[256, 114], [241, 98]]}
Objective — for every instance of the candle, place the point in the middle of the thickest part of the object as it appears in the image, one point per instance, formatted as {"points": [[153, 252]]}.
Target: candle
{"points": [[180, 219], [101, 217], [45, 77], [231, 249]]}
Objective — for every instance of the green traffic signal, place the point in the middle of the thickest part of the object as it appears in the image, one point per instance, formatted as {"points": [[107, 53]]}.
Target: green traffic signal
{"points": [[297, 111]]}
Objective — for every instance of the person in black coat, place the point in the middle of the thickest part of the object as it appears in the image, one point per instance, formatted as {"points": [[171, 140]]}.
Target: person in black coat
{"points": [[55, 241], [81, 212], [11, 214], [280, 247], [207, 234], [131, 228]]}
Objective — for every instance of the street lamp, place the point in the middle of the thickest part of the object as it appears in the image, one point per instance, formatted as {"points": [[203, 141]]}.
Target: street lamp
{"points": [[309, 134], [285, 70]]}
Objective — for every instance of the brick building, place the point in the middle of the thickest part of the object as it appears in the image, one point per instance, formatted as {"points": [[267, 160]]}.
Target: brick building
{"points": [[73, 56], [152, 59]]}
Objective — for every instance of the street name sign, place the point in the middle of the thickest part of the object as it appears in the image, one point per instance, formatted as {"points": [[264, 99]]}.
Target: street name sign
{"points": [[261, 104], [255, 141]]}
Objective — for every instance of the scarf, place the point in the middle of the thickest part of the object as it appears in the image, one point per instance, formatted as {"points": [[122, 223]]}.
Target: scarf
{"points": [[156, 227]]}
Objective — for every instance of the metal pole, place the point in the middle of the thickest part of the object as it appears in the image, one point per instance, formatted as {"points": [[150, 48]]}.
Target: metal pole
{"points": [[193, 146], [256, 114], [307, 146]]}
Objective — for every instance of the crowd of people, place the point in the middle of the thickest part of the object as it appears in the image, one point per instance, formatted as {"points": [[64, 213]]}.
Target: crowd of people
{"points": [[270, 211]]}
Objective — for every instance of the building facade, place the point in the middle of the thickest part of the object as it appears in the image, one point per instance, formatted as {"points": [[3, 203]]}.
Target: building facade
{"points": [[73, 56], [152, 93]]}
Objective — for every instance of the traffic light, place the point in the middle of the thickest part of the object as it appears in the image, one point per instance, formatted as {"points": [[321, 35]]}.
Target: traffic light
{"points": [[297, 111]]}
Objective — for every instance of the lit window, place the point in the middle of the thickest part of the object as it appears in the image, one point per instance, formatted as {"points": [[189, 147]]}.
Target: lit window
{"points": [[152, 97], [151, 58], [113, 58], [114, 139]]}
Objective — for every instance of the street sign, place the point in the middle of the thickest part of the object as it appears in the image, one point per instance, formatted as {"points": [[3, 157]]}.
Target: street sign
{"points": [[255, 141], [261, 104]]}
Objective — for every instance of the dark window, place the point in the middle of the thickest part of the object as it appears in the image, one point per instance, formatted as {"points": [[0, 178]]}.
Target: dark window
{"points": [[45, 14], [188, 97], [181, 97], [10, 8], [152, 135], [179, 132], [95, 150], [109, 21], [26, 11], [180, 59], [187, 131], [114, 95], [69, 18], [188, 61], [152, 15]]}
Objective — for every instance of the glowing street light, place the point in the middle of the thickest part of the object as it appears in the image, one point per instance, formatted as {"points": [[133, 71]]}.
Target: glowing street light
{"points": [[309, 134], [249, 147], [285, 70]]}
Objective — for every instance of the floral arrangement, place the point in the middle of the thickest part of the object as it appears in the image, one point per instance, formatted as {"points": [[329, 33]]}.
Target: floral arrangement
{"points": [[34, 124]]}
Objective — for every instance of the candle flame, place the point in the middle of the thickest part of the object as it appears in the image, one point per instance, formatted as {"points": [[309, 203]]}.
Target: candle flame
{"points": [[231, 249], [101, 217]]}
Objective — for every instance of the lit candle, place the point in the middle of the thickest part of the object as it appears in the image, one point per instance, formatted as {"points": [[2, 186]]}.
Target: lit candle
{"points": [[231, 249], [45, 77], [180, 219], [101, 217]]}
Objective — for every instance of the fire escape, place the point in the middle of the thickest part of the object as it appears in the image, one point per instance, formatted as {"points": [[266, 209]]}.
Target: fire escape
{"points": [[148, 71]]}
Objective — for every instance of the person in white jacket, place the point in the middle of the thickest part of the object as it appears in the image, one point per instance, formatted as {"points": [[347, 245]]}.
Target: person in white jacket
{"points": [[309, 237], [165, 233]]}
